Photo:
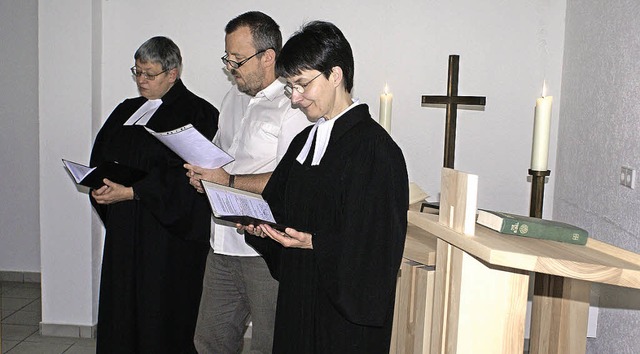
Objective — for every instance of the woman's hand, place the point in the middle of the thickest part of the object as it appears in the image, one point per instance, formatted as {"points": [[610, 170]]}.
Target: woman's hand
{"points": [[253, 230], [111, 193], [291, 238]]}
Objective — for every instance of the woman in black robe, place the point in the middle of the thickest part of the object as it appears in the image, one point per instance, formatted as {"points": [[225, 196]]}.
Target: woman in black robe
{"points": [[157, 230], [342, 187]]}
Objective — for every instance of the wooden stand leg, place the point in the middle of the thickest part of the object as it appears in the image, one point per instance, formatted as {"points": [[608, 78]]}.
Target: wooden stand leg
{"points": [[425, 280], [559, 315], [413, 307], [441, 297], [402, 328], [477, 309]]}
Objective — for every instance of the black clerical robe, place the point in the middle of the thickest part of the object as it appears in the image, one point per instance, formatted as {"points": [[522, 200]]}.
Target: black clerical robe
{"points": [[155, 247], [339, 296]]}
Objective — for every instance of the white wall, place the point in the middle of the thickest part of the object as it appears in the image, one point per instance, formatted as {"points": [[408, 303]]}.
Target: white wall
{"points": [[600, 130], [19, 208], [506, 51], [67, 83]]}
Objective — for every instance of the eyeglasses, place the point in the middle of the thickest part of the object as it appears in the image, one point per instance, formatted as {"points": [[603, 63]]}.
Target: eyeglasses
{"points": [[147, 76], [288, 88], [237, 64]]}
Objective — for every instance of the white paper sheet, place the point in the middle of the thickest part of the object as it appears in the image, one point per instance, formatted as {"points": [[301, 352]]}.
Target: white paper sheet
{"points": [[193, 147]]}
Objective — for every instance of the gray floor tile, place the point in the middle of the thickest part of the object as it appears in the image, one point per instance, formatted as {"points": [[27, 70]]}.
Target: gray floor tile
{"points": [[9, 284], [17, 332], [77, 349], [8, 345], [7, 276], [40, 348], [21, 315], [34, 306], [85, 342], [32, 277], [22, 292], [6, 313], [38, 338], [29, 285], [11, 303], [22, 318], [6, 286]]}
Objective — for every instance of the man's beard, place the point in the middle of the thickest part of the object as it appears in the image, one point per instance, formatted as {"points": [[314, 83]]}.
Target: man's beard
{"points": [[251, 83]]}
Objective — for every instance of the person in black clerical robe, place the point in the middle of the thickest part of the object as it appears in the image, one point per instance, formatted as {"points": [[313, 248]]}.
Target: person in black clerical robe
{"points": [[157, 230], [342, 188]]}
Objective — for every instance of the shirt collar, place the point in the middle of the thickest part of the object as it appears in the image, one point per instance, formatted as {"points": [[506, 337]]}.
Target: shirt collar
{"points": [[274, 91]]}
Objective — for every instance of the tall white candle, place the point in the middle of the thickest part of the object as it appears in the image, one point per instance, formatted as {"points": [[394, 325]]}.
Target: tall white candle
{"points": [[386, 99], [541, 127]]}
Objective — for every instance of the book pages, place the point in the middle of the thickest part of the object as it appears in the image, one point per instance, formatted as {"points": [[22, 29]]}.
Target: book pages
{"points": [[78, 171], [227, 201]]}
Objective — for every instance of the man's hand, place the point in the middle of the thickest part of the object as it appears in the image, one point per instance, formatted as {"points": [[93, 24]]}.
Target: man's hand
{"points": [[111, 193], [197, 173]]}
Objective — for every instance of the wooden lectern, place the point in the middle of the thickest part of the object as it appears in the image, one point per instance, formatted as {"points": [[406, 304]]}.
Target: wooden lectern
{"points": [[481, 284]]}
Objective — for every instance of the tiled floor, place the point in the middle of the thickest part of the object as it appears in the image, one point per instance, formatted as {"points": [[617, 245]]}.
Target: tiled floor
{"points": [[21, 315]]}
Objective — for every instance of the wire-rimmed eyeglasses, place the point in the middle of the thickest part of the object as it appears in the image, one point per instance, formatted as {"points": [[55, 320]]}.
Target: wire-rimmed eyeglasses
{"points": [[236, 64], [147, 76], [288, 88]]}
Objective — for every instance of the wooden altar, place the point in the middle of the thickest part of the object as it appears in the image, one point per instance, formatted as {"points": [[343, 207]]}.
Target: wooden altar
{"points": [[475, 299]]}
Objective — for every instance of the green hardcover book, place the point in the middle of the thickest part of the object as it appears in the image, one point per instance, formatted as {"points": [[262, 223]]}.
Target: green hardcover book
{"points": [[526, 226]]}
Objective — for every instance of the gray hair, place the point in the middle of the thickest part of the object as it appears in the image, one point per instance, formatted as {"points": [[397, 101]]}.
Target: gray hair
{"points": [[160, 50]]}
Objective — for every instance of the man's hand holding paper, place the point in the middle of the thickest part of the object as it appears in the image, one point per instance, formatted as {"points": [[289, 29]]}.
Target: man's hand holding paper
{"points": [[197, 173]]}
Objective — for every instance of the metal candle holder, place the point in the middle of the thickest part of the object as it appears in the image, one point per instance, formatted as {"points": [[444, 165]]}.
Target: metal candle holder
{"points": [[537, 192]]}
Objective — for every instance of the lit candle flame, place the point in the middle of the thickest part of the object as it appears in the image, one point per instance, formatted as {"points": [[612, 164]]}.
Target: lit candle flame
{"points": [[386, 89], [544, 88]]}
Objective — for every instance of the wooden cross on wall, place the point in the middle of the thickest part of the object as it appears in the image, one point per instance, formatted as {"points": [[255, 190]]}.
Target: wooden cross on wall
{"points": [[452, 100]]}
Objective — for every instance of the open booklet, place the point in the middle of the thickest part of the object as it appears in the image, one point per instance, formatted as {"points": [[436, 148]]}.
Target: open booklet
{"points": [[92, 176], [238, 206], [193, 147]]}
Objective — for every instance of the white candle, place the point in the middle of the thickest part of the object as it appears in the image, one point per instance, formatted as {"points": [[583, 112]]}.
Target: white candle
{"points": [[385, 109], [541, 127]]}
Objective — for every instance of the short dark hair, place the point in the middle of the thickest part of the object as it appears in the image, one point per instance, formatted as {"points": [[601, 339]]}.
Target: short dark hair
{"points": [[160, 50], [265, 32], [320, 46]]}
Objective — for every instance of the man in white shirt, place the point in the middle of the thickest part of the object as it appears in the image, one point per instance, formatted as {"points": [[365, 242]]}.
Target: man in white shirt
{"points": [[256, 126]]}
